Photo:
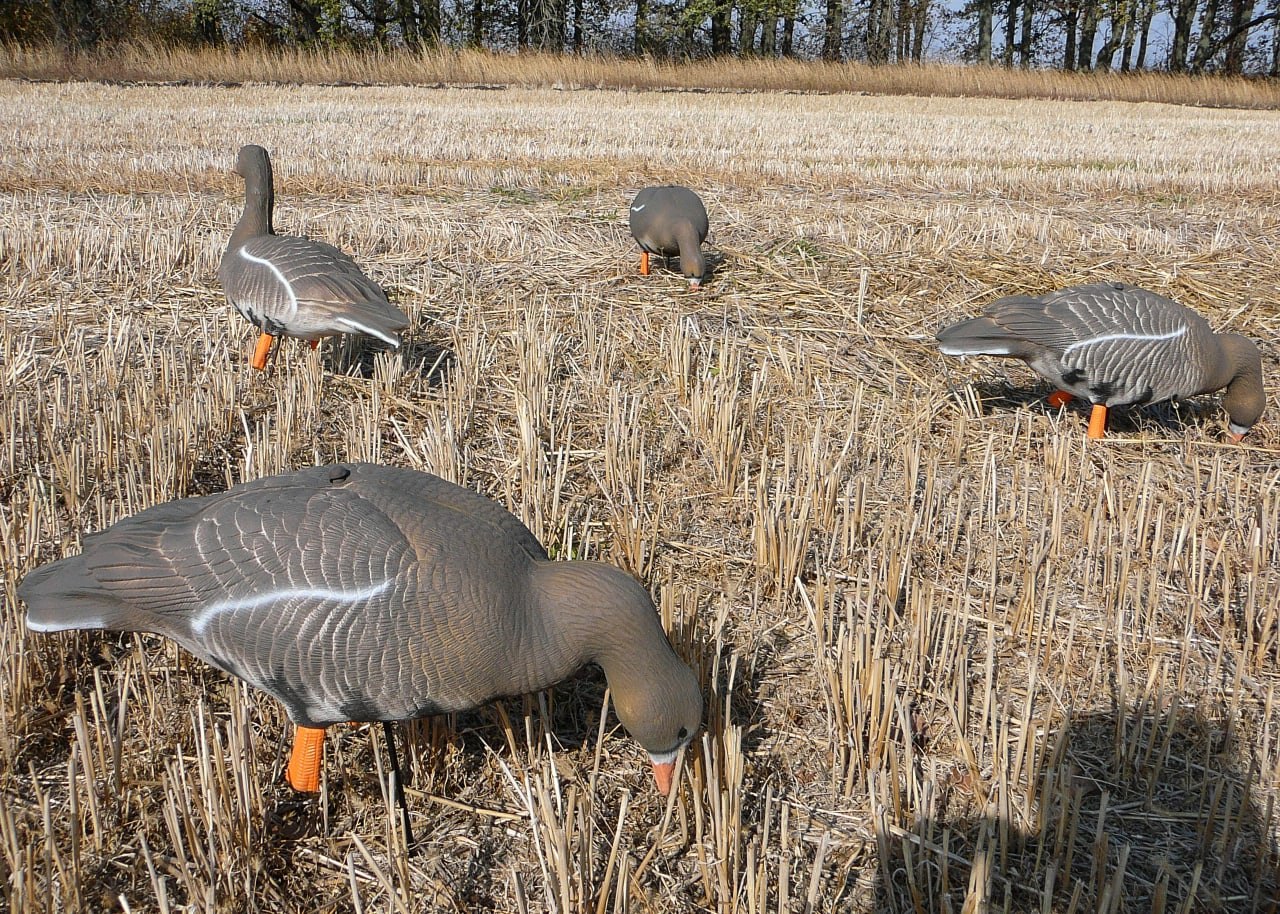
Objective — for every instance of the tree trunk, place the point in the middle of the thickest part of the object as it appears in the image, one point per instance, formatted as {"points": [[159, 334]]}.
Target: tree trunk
{"points": [[477, 23], [874, 40], [1119, 25], [769, 35], [789, 34], [985, 14], [1088, 33], [1205, 45], [578, 25], [721, 28], [1131, 26], [921, 14], [1183, 13], [429, 22], [1275, 44], [1241, 12], [1025, 45], [832, 40], [640, 37], [748, 25], [884, 32], [1070, 21], [1010, 33], [1148, 13]]}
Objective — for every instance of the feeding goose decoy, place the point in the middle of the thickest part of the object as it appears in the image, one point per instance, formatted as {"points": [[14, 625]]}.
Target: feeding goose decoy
{"points": [[1115, 344], [671, 221], [290, 286], [359, 592]]}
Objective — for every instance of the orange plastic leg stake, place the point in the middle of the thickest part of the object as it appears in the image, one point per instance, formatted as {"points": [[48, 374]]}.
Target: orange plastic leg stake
{"points": [[1059, 399], [644, 263], [304, 764], [1098, 421], [314, 343], [261, 351]]}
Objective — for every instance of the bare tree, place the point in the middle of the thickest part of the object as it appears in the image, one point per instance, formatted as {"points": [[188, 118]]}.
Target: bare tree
{"points": [[985, 15]]}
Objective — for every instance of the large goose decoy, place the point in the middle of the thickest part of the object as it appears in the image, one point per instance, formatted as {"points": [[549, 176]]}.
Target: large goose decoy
{"points": [[291, 286], [670, 221], [1114, 344], [359, 592]]}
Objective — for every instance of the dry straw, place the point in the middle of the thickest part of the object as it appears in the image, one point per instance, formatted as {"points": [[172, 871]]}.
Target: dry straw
{"points": [[955, 658]]}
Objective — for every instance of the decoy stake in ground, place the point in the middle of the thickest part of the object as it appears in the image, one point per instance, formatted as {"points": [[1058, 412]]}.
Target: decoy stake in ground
{"points": [[670, 221], [290, 286], [1114, 345], [359, 592]]}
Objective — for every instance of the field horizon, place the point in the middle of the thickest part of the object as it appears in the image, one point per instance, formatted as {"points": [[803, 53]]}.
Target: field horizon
{"points": [[955, 657], [160, 64]]}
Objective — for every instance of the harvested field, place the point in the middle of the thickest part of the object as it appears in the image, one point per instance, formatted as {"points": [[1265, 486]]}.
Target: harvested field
{"points": [[955, 657]]}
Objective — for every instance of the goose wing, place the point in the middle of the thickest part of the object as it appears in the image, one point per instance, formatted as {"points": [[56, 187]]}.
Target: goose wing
{"points": [[307, 288]]}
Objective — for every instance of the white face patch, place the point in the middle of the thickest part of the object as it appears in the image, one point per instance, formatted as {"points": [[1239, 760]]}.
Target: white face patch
{"points": [[636, 209], [1113, 337], [664, 758], [288, 287], [363, 328], [209, 613]]}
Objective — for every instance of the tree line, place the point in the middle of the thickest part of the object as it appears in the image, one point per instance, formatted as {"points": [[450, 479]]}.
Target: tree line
{"points": [[1194, 36]]}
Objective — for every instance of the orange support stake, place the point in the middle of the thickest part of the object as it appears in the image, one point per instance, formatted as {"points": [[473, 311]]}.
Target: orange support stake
{"points": [[1098, 421], [314, 343], [261, 351], [304, 763], [644, 263]]}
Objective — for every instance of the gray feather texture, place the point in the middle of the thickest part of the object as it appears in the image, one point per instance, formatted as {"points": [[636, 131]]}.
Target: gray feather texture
{"points": [[293, 286], [1115, 344], [364, 592], [671, 221]]}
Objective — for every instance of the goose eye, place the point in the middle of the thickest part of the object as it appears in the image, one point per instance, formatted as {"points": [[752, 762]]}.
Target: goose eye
{"points": [[683, 734]]}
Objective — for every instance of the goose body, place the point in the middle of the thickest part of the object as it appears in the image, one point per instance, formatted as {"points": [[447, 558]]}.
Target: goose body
{"points": [[669, 222], [1115, 344], [359, 592], [291, 286]]}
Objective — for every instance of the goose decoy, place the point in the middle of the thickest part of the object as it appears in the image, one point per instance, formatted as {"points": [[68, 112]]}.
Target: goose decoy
{"points": [[359, 592], [1114, 344], [290, 286], [667, 221]]}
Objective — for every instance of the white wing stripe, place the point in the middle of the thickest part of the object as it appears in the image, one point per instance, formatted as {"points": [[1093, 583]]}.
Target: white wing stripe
{"points": [[1145, 337], [209, 613], [288, 286], [365, 328]]}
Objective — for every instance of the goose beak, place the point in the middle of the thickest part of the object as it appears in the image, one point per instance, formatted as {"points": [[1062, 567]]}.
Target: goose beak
{"points": [[663, 773], [695, 285], [1237, 437]]}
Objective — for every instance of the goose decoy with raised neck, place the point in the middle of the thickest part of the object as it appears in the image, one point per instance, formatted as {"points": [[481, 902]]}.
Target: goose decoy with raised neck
{"points": [[670, 221], [359, 592], [1114, 344], [290, 286]]}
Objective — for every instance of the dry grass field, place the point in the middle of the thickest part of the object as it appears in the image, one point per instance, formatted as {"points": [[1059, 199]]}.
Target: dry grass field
{"points": [[149, 63], [956, 659]]}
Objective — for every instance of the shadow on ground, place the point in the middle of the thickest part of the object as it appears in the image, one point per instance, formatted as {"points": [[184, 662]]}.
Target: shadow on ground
{"points": [[1139, 810]]}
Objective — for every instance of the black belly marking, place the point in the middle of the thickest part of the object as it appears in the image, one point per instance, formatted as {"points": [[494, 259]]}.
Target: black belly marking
{"points": [[1101, 391], [1074, 376], [1145, 396]]}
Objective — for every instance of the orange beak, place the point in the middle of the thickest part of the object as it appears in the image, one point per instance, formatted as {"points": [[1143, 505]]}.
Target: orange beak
{"points": [[663, 773], [1236, 438]]}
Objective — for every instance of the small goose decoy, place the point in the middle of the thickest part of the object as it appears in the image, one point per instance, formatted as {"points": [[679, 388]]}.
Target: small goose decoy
{"points": [[670, 221], [1114, 344], [359, 592], [290, 286]]}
